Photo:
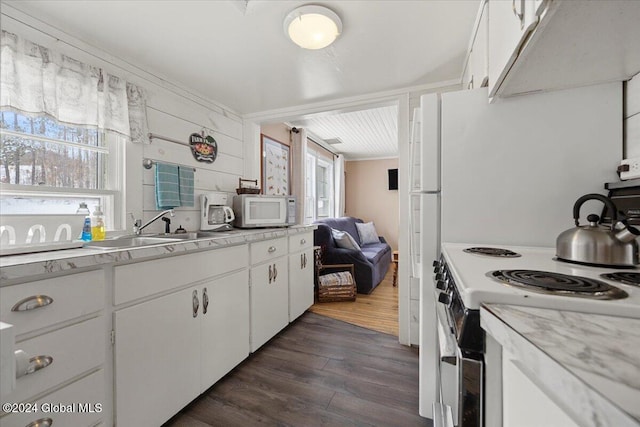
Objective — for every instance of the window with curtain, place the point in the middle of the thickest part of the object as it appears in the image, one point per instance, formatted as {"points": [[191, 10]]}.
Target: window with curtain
{"points": [[63, 126]]}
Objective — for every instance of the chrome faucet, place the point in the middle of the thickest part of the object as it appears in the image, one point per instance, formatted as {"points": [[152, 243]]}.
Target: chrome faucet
{"points": [[137, 228]]}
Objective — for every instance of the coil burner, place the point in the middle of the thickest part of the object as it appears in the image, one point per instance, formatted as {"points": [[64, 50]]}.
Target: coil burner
{"points": [[495, 252], [626, 277], [558, 284]]}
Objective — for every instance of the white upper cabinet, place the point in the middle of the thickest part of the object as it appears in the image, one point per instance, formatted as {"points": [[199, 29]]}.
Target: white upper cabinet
{"points": [[574, 43], [510, 23], [476, 71]]}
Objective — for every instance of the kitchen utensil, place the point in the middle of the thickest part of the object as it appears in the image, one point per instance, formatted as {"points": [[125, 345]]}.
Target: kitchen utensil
{"points": [[611, 245]]}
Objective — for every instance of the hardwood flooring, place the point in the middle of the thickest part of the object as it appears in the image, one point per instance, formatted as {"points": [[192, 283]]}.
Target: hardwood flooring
{"points": [[316, 372], [377, 311]]}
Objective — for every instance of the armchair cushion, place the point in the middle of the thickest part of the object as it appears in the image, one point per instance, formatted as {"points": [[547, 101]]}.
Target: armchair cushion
{"points": [[344, 240], [367, 233]]}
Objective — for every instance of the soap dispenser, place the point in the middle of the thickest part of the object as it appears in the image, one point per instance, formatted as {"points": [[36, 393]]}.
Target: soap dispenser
{"points": [[98, 231]]}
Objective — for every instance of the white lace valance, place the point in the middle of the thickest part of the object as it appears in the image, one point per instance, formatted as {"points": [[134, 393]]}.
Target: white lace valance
{"points": [[37, 80]]}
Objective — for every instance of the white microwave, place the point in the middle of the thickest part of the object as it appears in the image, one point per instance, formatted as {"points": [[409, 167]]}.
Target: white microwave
{"points": [[254, 211]]}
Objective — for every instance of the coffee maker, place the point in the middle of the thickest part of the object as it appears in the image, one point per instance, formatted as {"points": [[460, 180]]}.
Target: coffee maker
{"points": [[215, 215]]}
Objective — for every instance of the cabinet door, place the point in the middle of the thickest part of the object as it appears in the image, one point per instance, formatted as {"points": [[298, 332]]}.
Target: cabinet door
{"points": [[225, 326], [269, 300], [157, 358], [509, 24], [300, 283]]}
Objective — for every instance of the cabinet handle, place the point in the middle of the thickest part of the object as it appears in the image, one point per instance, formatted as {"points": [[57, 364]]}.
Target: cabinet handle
{"points": [[33, 364], [32, 302], [303, 241], [470, 84], [301, 261], [270, 273], [196, 303], [271, 249], [42, 422], [519, 15], [275, 273], [205, 301], [305, 260]]}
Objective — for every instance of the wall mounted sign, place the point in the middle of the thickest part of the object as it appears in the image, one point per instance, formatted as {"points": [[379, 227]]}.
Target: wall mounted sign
{"points": [[275, 167], [204, 148]]}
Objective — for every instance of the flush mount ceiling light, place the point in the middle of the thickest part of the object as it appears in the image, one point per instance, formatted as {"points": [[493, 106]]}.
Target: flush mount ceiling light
{"points": [[312, 26]]}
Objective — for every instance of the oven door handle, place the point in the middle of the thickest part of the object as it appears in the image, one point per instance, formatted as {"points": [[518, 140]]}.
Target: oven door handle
{"points": [[446, 337], [442, 416]]}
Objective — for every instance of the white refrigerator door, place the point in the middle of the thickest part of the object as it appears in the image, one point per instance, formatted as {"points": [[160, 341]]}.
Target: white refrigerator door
{"points": [[430, 143], [512, 170], [429, 250]]}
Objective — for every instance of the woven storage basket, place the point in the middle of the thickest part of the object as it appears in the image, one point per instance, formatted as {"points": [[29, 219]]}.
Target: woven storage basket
{"points": [[338, 286]]}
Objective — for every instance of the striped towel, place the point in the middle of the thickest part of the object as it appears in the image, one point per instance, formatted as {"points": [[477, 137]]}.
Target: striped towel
{"points": [[186, 186], [167, 186]]}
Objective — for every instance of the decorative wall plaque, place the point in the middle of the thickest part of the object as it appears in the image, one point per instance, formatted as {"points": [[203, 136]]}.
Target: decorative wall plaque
{"points": [[203, 148]]}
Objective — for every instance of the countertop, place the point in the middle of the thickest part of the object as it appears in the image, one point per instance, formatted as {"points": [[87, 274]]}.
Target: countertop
{"points": [[15, 268], [589, 364]]}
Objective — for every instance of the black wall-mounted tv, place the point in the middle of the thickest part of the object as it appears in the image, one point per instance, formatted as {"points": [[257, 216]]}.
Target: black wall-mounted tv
{"points": [[393, 179]]}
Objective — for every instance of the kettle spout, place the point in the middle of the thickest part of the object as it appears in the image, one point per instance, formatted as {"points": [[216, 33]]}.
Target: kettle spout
{"points": [[625, 233]]}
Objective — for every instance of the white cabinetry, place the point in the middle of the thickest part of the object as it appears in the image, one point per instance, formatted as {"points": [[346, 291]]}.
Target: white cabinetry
{"points": [[301, 268], [476, 70], [170, 348], [269, 290], [573, 43], [510, 22], [60, 336]]}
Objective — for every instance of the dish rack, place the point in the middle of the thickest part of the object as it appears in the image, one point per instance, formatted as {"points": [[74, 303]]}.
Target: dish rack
{"points": [[246, 189], [21, 234]]}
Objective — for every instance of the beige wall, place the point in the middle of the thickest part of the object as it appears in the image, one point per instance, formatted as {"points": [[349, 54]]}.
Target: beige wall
{"points": [[368, 197], [278, 131]]}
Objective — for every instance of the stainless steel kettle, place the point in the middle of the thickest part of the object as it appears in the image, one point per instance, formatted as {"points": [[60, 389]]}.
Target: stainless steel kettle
{"points": [[598, 244]]}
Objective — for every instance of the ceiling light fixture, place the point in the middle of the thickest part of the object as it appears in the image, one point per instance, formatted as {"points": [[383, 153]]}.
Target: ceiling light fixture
{"points": [[312, 26]]}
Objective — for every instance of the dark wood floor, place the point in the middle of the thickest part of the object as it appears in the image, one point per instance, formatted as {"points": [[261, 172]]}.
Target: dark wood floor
{"points": [[317, 372]]}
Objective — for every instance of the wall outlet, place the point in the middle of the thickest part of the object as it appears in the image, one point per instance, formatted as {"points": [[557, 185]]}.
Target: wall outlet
{"points": [[629, 168]]}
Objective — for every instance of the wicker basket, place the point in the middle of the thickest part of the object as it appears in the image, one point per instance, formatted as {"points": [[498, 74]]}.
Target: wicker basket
{"points": [[247, 190], [339, 286]]}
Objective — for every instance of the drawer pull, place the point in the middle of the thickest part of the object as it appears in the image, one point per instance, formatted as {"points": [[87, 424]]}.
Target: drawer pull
{"points": [[303, 241], [271, 249], [270, 274], [275, 272], [42, 422], [38, 362], [32, 302]]}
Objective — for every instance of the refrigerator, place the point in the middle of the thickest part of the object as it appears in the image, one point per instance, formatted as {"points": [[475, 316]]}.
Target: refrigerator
{"points": [[505, 173]]}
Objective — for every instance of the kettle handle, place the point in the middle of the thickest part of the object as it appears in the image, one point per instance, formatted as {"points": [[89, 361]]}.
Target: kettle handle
{"points": [[594, 196]]}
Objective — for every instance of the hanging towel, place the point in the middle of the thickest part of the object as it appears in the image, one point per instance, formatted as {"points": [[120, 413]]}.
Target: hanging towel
{"points": [[167, 186], [186, 186]]}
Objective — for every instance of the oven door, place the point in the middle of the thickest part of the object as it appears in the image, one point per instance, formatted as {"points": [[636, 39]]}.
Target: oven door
{"points": [[461, 379]]}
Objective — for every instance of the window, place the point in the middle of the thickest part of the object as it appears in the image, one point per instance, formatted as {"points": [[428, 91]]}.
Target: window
{"points": [[319, 187], [49, 167]]}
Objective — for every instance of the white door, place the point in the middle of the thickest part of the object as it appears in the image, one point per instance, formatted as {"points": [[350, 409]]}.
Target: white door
{"points": [[157, 358], [224, 312]]}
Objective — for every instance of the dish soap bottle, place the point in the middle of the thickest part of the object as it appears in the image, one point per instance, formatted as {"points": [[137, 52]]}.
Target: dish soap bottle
{"points": [[97, 224], [86, 227]]}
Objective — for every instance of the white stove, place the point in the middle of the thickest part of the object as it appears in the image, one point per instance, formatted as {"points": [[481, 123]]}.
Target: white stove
{"points": [[475, 284]]}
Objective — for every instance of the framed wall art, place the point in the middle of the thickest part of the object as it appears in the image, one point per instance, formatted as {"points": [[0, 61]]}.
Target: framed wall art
{"points": [[275, 167]]}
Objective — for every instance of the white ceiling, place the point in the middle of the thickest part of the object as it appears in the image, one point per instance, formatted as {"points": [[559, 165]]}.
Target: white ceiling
{"points": [[235, 52]]}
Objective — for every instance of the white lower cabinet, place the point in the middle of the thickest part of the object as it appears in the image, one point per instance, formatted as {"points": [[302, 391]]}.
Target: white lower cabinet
{"points": [[224, 335], [269, 290], [171, 348]]}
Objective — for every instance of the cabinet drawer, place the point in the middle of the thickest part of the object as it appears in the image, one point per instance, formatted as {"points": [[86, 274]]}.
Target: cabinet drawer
{"points": [[72, 296], [300, 242], [268, 249], [83, 400], [74, 350], [139, 280]]}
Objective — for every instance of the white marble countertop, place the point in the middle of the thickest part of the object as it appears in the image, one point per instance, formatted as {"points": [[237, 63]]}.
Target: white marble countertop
{"points": [[589, 364], [15, 268]]}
